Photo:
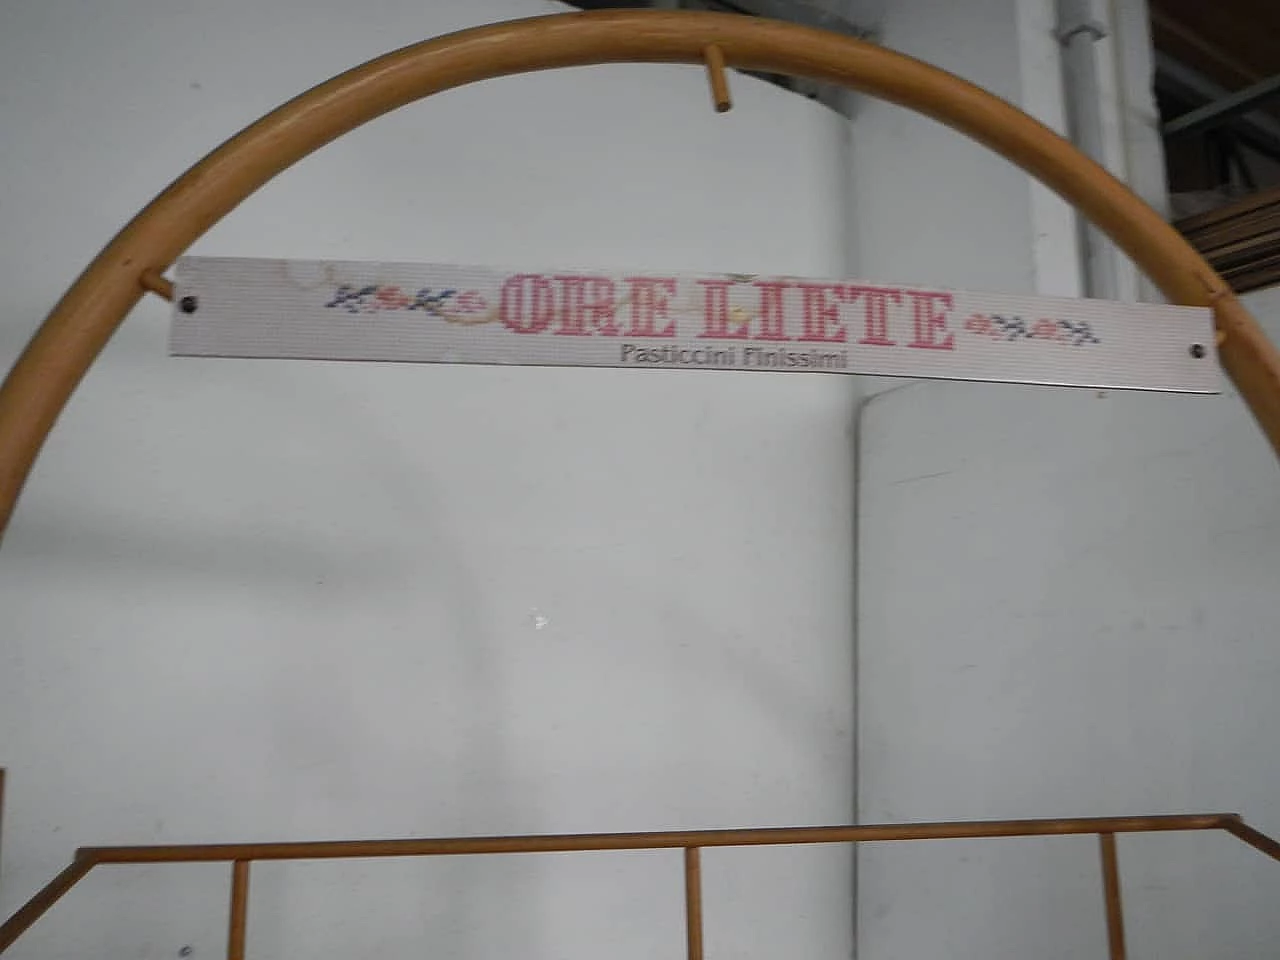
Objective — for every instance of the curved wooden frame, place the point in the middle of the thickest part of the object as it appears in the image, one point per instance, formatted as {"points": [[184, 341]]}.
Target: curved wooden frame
{"points": [[44, 377]]}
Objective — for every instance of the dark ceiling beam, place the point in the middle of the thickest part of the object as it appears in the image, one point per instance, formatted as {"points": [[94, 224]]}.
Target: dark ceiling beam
{"points": [[1259, 129], [1201, 49], [1220, 111]]}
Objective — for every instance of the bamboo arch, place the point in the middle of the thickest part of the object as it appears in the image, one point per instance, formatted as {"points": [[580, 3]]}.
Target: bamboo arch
{"points": [[44, 377]]}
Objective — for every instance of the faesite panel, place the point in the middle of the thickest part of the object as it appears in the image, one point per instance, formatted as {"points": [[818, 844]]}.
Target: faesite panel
{"points": [[437, 313]]}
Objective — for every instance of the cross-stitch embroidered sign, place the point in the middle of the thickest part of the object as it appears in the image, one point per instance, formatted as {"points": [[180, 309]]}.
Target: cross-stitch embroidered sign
{"points": [[429, 313]]}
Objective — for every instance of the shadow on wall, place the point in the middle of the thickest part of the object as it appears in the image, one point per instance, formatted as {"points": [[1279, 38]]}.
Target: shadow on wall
{"points": [[277, 619], [309, 713]]}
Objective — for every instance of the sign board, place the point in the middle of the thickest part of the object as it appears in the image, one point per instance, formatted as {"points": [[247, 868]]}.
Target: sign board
{"points": [[428, 313]]}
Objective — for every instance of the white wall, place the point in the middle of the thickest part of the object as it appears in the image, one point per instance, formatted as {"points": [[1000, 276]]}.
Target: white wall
{"points": [[929, 206], [283, 600], [1067, 608]]}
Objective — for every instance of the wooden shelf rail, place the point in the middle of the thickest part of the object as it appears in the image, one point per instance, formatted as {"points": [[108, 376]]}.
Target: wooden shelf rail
{"points": [[691, 842]]}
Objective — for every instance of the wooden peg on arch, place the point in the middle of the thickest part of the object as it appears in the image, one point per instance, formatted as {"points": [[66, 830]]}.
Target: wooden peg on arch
{"points": [[157, 283], [714, 57]]}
